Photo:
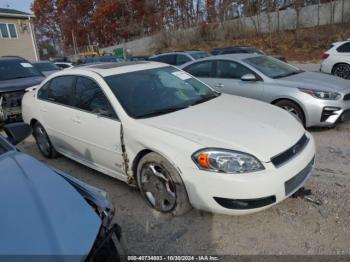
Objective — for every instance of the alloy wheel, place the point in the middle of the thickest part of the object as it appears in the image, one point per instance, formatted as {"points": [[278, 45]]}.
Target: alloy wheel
{"points": [[43, 140], [158, 187], [342, 70]]}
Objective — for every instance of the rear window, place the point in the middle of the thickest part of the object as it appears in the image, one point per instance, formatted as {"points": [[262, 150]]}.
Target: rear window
{"points": [[46, 66], [168, 59], [16, 69], [344, 48], [199, 55]]}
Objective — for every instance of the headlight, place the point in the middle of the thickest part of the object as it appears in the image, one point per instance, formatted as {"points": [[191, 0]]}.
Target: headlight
{"points": [[226, 161], [326, 95]]}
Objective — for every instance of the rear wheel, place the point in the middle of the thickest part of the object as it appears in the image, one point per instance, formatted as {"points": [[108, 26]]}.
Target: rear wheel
{"points": [[161, 185], [43, 142], [293, 109], [342, 70]]}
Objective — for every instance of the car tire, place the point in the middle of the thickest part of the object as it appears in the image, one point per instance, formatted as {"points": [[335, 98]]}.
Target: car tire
{"points": [[161, 185], [293, 109], [341, 70], [43, 141]]}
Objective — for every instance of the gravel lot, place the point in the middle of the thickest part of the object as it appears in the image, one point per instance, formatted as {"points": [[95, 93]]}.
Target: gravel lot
{"points": [[319, 224], [295, 226]]}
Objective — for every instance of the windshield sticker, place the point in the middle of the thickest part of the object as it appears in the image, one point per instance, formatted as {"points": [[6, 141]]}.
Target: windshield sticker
{"points": [[26, 65], [182, 75]]}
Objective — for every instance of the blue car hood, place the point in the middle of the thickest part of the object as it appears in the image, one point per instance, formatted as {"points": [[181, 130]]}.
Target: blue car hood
{"points": [[41, 213], [20, 83]]}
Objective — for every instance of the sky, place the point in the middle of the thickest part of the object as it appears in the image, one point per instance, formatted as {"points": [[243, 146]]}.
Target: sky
{"points": [[21, 5]]}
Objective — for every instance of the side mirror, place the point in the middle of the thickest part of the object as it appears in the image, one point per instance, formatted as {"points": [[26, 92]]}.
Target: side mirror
{"points": [[17, 132], [248, 77]]}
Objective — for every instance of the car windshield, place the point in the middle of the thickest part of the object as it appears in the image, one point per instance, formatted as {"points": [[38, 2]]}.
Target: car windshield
{"points": [[15, 69], [46, 66], [158, 91], [199, 55], [272, 67]]}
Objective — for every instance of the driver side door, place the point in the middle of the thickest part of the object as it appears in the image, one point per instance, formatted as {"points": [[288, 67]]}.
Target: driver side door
{"points": [[96, 128], [228, 80]]}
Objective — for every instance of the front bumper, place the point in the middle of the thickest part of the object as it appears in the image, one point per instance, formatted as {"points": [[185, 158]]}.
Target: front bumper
{"points": [[107, 246], [209, 191], [326, 112]]}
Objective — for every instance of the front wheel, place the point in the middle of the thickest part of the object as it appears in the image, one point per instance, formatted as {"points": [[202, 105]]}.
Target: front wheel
{"points": [[43, 142], [161, 185], [293, 109], [342, 70]]}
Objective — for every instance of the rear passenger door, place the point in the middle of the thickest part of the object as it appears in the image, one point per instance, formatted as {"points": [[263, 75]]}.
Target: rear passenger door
{"points": [[55, 103], [97, 128]]}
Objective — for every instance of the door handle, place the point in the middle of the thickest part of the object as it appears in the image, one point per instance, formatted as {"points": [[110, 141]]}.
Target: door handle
{"points": [[44, 110], [219, 85]]}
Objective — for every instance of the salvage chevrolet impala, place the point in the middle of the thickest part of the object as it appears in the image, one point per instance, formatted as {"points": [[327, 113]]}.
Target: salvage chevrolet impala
{"points": [[183, 144]]}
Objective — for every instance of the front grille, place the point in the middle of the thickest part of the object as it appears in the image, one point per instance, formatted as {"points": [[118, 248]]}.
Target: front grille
{"points": [[347, 97], [292, 184], [242, 204], [283, 157]]}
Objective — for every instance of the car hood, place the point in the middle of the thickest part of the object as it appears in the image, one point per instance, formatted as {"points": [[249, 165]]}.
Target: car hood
{"points": [[234, 123], [20, 84], [315, 81], [42, 214]]}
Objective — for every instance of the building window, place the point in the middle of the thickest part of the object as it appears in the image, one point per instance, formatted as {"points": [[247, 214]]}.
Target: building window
{"points": [[8, 31]]}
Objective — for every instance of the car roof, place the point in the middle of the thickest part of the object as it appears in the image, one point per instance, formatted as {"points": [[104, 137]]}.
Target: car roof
{"points": [[11, 58], [113, 68], [179, 52], [239, 56], [341, 42]]}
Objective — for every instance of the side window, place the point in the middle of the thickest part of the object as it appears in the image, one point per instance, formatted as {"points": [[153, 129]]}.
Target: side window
{"points": [[4, 32], [61, 90], [12, 30], [228, 69], [344, 48], [181, 59], [202, 69], [168, 59], [42, 92], [90, 97]]}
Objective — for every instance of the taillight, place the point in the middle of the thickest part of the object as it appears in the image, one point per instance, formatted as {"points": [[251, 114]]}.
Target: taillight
{"points": [[325, 55]]}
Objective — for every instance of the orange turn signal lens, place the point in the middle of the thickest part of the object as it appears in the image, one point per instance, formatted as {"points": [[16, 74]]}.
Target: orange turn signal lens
{"points": [[203, 160]]}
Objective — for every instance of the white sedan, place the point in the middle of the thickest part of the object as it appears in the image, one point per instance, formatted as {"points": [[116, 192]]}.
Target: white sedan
{"points": [[183, 144], [336, 60]]}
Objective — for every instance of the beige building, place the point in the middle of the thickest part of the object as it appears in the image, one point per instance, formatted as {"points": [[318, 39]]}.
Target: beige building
{"points": [[17, 34]]}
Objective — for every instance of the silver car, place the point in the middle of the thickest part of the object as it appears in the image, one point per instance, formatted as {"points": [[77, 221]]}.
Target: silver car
{"points": [[316, 99]]}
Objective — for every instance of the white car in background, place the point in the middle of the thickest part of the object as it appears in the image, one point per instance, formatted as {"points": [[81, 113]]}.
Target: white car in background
{"points": [[183, 144], [64, 65], [337, 60]]}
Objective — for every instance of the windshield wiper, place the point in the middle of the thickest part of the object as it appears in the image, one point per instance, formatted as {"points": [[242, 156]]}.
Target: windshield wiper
{"points": [[206, 98], [162, 111]]}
